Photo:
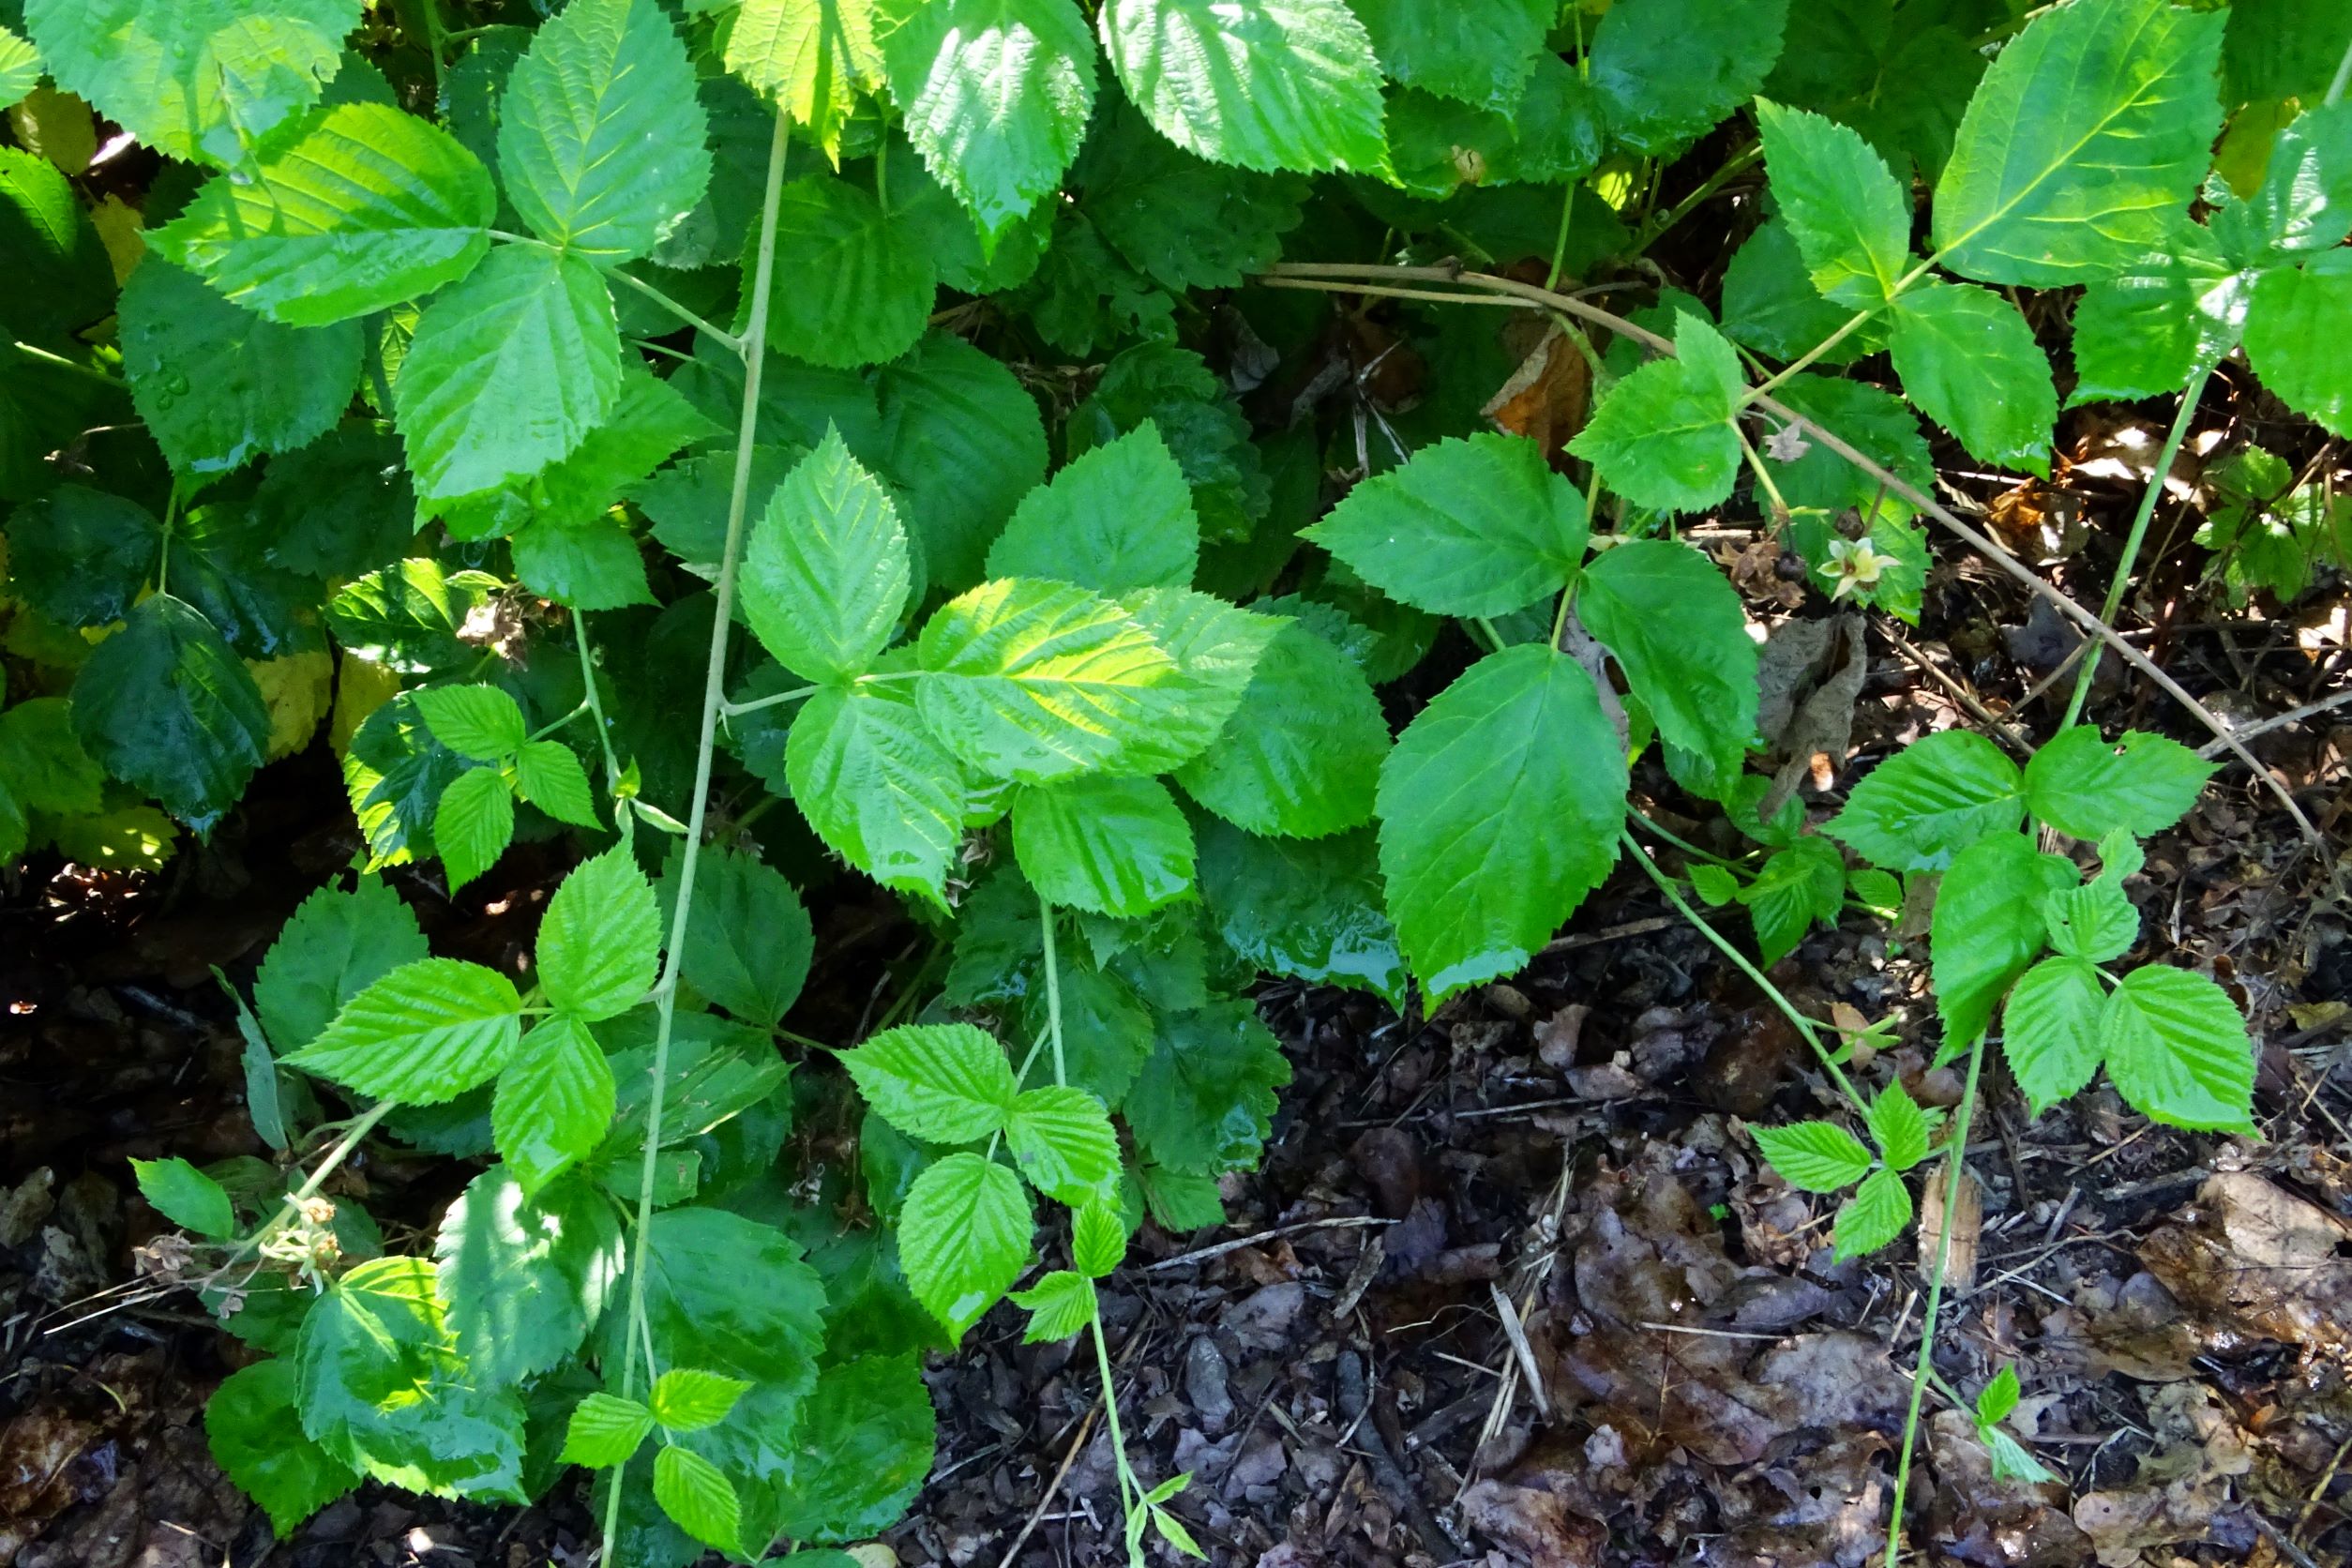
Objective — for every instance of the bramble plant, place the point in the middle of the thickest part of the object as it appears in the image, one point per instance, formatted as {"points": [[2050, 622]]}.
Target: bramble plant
{"points": [[468, 381]]}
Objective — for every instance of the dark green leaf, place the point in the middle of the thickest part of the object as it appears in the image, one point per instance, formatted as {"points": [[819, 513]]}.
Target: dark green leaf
{"points": [[166, 705]]}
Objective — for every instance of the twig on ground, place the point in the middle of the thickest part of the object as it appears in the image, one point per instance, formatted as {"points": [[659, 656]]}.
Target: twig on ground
{"points": [[1053, 1487], [1221, 1248], [2280, 722]]}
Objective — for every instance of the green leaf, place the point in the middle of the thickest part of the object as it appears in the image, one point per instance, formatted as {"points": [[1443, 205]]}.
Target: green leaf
{"points": [[472, 825], [1877, 422], [1899, 1127], [1850, 218], [649, 421], [508, 372], [1179, 1202], [966, 444], [405, 616], [604, 1431], [1181, 221], [1038, 681], [477, 721], [1199, 419], [368, 208], [2093, 127], [2086, 787], [857, 287], [878, 787], [1205, 1099], [2050, 1032], [1217, 649], [59, 272], [81, 557], [1479, 526], [698, 1496], [1931, 800], [729, 1294], [2178, 1053], [425, 1032], [1301, 756], [1115, 846], [165, 705], [1770, 303], [383, 1389], [195, 79], [1265, 84], [963, 1238], [812, 56], [1799, 886], [601, 135], [1119, 516], [1059, 1306], [2144, 332], [1668, 69], [1815, 1156], [1481, 56], [2009, 1458], [1675, 625], [1715, 886], [865, 1444], [1063, 1140], [1988, 927], [1310, 908], [254, 1432], [1098, 1239], [549, 777], [601, 938], [19, 69], [217, 384], [687, 1400], [1664, 438], [590, 565], [554, 1104], [996, 95], [185, 1197], [1518, 739], [1999, 1397], [336, 944], [2290, 322], [826, 574], [748, 945], [1106, 1030], [1970, 361], [1874, 1216], [2095, 920], [2305, 200], [523, 1279], [942, 1083], [44, 766]]}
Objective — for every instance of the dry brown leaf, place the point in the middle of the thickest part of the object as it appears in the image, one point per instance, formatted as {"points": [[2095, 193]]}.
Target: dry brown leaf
{"points": [[1549, 396], [1967, 1230]]}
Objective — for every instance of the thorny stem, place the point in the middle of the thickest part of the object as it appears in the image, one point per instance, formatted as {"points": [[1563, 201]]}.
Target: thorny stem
{"points": [[753, 347]]}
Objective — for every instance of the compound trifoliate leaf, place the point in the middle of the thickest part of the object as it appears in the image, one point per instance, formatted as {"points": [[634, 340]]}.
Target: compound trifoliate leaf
{"points": [[1059, 1306], [697, 1495], [963, 1238], [1850, 218], [1519, 738], [1799, 886], [2176, 1050], [1114, 846], [605, 1430], [1874, 1216], [1301, 756], [2050, 1030], [1664, 438], [472, 825], [1264, 84], [1970, 361], [601, 135], [826, 573], [477, 721], [601, 938], [166, 705], [1931, 800], [425, 1032], [185, 1195], [554, 1102], [939, 1082], [1063, 1140], [1899, 1127], [878, 787], [686, 1399], [1119, 516], [1676, 627], [368, 208], [1815, 1156], [854, 287], [256, 1438], [812, 56]]}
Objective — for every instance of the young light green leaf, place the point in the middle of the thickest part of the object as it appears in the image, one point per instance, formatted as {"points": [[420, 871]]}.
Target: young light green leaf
{"points": [[2093, 127], [1036, 681], [2176, 1050], [1520, 738], [477, 721], [1874, 1216], [1799, 886], [19, 69], [1481, 56], [2050, 1032], [185, 1197], [812, 56], [1899, 1127], [425, 1032], [1098, 1237], [862, 285], [1988, 925], [2085, 786], [601, 135], [549, 776], [1265, 84], [1664, 439], [1204, 1100], [508, 372], [1850, 218], [166, 705], [472, 825], [1675, 624], [256, 1438], [601, 938], [1059, 1306], [1815, 1156], [963, 1238], [826, 574], [203, 79], [368, 208], [1997, 1397], [1063, 1140], [996, 95], [1119, 516], [2010, 1460], [1715, 886], [696, 1493], [1479, 526], [334, 947], [554, 1102], [605, 1430], [523, 1279], [1930, 801], [1666, 71], [878, 786], [1114, 846], [942, 1082], [2288, 325], [1970, 361], [1217, 649], [686, 1399], [748, 946], [2095, 920], [1301, 756]]}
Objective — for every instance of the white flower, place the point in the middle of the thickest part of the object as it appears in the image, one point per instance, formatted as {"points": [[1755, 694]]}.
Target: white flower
{"points": [[1855, 565], [1786, 444]]}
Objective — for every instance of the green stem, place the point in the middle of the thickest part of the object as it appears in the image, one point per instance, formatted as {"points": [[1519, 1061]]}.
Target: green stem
{"points": [[2343, 79], [163, 544], [666, 1003], [736, 709], [61, 362], [1054, 993], [594, 701], [1733, 167], [1805, 360], [881, 170], [1722, 945], [676, 308], [1756, 464], [309, 1188], [1956, 1173], [2116, 590], [1678, 841], [1560, 243]]}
